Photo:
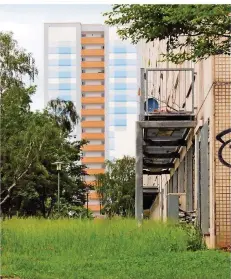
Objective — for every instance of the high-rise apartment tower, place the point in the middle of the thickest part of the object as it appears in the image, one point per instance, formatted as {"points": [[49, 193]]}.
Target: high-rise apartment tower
{"points": [[89, 65]]}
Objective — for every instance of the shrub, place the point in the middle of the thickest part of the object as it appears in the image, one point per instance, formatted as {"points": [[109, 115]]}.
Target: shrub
{"points": [[195, 237]]}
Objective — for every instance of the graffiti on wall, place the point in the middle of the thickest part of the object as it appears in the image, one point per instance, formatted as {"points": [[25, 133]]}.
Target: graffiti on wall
{"points": [[225, 144]]}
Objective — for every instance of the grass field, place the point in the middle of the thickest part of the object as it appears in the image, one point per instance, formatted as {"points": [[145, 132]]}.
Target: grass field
{"points": [[117, 249]]}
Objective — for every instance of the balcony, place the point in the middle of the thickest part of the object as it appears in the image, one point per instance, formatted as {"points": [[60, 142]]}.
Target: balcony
{"points": [[89, 136], [92, 64], [164, 128], [91, 147], [93, 207], [92, 100], [92, 41], [92, 76], [91, 183], [86, 160], [92, 52], [93, 124], [92, 88], [92, 112], [93, 196], [95, 171]]}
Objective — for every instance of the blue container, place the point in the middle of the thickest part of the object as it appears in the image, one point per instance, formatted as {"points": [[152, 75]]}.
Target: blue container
{"points": [[152, 105]]}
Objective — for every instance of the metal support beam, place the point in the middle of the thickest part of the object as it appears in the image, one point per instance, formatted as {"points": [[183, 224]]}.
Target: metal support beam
{"points": [[180, 142], [158, 166], [168, 124], [162, 155], [181, 177], [151, 190], [189, 183], [169, 69], [170, 185], [156, 172], [175, 182], [139, 174], [162, 137], [142, 94]]}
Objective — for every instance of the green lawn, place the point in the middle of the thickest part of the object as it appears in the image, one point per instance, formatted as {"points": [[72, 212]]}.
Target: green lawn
{"points": [[73, 249]]}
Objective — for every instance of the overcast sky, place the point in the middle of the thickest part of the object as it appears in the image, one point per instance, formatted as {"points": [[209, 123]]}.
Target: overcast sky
{"points": [[26, 22]]}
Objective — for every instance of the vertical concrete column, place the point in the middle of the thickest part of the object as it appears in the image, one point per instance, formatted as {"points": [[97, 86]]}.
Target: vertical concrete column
{"points": [[189, 180], [197, 178], [139, 174]]}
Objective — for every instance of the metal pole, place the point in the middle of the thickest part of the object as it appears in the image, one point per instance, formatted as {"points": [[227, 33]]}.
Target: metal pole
{"points": [[142, 94], [87, 204], [139, 174], [58, 189]]}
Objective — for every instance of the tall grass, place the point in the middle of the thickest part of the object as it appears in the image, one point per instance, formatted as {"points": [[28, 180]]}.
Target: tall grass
{"points": [[78, 249]]}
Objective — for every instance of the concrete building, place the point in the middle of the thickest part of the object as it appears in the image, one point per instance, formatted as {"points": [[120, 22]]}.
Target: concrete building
{"points": [[89, 65], [122, 96], [187, 168]]}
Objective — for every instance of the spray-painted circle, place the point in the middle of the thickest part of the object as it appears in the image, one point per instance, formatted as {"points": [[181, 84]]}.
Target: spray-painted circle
{"points": [[225, 144], [220, 155]]}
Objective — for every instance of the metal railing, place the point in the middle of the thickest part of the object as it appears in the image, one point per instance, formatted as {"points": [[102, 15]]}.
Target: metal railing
{"points": [[167, 90]]}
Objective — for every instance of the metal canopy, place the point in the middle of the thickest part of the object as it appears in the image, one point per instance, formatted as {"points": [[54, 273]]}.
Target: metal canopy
{"points": [[162, 141]]}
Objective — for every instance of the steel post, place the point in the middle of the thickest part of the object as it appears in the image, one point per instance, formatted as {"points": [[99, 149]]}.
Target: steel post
{"points": [[139, 174]]}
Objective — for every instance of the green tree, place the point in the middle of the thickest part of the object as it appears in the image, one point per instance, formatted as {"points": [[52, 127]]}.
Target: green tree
{"points": [[64, 113], [36, 194], [191, 32], [31, 142], [24, 147], [15, 63], [116, 187]]}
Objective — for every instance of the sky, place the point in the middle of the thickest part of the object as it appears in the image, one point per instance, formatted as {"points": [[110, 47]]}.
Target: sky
{"points": [[26, 22]]}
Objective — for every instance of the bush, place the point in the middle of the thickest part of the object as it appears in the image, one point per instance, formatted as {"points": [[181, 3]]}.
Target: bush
{"points": [[195, 237], [71, 212]]}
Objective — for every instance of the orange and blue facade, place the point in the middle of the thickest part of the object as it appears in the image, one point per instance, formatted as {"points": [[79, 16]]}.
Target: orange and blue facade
{"points": [[87, 64]]}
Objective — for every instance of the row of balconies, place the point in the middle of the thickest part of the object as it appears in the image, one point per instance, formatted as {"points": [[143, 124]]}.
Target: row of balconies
{"points": [[92, 76], [92, 124], [91, 147], [92, 41], [92, 64], [92, 100], [92, 52], [94, 208], [92, 88], [93, 112]]}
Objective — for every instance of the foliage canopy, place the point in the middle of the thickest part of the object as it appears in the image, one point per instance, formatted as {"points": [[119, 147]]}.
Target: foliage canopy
{"points": [[191, 32], [116, 187], [32, 141]]}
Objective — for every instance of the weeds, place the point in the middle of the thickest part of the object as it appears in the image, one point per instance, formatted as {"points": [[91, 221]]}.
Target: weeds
{"points": [[106, 249]]}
